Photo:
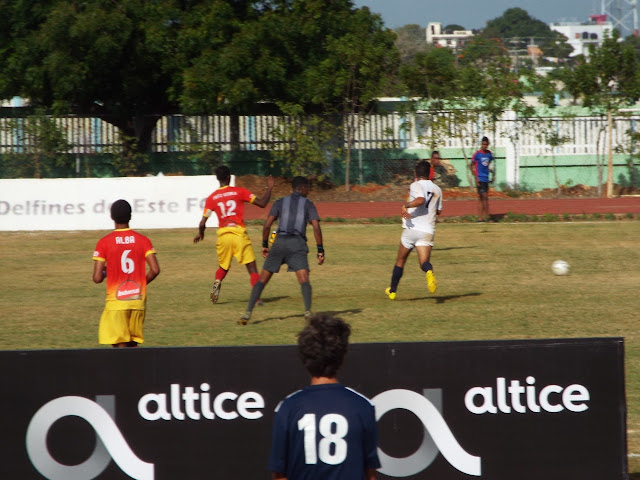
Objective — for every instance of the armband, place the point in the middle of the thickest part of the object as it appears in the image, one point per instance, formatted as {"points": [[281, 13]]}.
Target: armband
{"points": [[320, 250], [265, 243]]}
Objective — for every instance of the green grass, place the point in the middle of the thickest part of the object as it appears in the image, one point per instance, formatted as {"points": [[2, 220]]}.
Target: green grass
{"points": [[495, 282]]}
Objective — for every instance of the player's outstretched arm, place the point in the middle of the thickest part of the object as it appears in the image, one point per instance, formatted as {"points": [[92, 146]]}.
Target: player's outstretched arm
{"points": [[262, 202], [154, 268]]}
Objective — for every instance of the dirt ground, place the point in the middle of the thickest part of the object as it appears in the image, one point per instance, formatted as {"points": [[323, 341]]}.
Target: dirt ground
{"points": [[325, 192]]}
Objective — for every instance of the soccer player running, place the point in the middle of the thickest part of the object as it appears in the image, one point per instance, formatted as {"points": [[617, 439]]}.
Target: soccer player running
{"points": [[125, 253], [228, 204], [481, 167], [324, 413], [418, 227], [293, 213]]}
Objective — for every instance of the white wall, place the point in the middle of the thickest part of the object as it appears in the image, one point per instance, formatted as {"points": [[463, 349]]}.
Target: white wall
{"points": [[84, 203]]}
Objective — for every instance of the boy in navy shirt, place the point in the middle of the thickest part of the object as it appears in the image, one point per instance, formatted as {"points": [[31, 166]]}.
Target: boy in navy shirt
{"points": [[325, 431]]}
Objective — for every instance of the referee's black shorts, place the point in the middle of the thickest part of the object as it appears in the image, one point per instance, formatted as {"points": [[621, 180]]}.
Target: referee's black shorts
{"points": [[291, 250]]}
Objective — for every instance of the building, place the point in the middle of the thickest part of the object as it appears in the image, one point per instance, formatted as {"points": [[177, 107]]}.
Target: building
{"points": [[581, 35], [456, 40]]}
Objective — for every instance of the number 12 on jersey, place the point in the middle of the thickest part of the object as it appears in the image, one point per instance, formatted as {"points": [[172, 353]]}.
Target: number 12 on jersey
{"points": [[333, 428]]}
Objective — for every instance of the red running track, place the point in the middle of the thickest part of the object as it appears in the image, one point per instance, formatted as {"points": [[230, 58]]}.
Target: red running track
{"points": [[458, 208]]}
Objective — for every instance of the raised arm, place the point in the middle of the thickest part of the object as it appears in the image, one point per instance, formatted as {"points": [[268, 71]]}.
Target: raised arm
{"points": [[262, 202]]}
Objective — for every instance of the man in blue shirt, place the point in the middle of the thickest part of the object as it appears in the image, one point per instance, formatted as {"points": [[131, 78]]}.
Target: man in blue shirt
{"points": [[325, 431], [481, 167]]}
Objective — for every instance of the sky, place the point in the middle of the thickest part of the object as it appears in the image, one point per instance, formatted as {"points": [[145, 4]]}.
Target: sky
{"points": [[475, 13]]}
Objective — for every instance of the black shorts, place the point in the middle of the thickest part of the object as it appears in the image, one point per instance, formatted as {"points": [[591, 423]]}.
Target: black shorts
{"points": [[483, 187], [291, 250]]}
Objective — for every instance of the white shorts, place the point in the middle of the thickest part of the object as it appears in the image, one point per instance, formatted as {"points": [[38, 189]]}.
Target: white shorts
{"points": [[416, 238]]}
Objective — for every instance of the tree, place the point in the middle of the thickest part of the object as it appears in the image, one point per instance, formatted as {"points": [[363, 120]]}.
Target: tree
{"points": [[517, 27], [305, 56], [605, 81], [481, 88], [453, 27], [430, 74], [359, 65], [112, 60], [410, 41]]}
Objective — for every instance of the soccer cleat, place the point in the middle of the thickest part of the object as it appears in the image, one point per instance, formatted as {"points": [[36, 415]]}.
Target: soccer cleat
{"points": [[432, 285], [215, 291], [244, 319], [259, 303], [308, 315], [390, 294]]}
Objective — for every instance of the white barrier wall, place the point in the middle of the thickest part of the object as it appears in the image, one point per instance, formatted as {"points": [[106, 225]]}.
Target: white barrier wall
{"points": [[84, 203]]}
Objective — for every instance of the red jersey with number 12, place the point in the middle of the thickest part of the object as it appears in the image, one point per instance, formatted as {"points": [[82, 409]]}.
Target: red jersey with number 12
{"points": [[228, 204], [125, 251]]}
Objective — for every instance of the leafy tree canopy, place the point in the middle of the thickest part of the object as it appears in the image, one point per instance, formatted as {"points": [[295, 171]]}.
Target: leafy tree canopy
{"points": [[517, 27], [453, 27], [411, 39]]}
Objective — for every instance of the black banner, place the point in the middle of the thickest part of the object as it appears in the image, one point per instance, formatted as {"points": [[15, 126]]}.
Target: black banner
{"points": [[499, 410]]}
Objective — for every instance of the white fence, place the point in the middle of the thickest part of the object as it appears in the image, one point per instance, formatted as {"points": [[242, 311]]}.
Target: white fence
{"points": [[513, 138], [178, 132]]}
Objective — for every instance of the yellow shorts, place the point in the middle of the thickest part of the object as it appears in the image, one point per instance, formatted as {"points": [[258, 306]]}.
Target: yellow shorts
{"points": [[119, 326], [234, 243]]}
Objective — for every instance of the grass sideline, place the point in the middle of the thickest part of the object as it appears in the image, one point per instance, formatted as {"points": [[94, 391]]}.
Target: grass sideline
{"points": [[494, 282]]}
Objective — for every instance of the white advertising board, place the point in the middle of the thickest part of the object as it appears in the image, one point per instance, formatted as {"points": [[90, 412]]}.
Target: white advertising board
{"points": [[84, 203]]}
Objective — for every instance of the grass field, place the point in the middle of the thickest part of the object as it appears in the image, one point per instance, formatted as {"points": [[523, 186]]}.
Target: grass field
{"points": [[494, 282]]}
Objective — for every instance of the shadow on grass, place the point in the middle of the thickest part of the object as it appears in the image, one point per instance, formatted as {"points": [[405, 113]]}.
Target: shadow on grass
{"points": [[301, 316], [341, 312], [634, 476], [451, 248], [445, 298], [258, 305], [273, 299]]}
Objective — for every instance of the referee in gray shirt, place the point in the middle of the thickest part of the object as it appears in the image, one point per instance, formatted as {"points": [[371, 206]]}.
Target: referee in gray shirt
{"points": [[290, 246]]}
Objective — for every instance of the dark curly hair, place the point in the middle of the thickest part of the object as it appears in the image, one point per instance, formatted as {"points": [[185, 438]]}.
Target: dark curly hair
{"points": [[323, 344]]}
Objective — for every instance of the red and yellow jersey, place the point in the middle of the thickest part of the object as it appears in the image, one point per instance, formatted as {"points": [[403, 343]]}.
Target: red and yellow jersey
{"points": [[125, 251], [228, 204]]}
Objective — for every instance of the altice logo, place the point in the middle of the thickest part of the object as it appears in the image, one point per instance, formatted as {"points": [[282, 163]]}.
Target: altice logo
{"points": [[437, 437], [109, 442]]}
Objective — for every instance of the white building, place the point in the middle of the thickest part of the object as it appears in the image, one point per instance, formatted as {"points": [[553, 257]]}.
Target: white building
{"points": [[454, 40], [581, 35]]}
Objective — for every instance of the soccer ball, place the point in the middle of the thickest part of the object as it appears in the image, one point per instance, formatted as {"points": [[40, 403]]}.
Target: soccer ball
{"points": [[560, 267]]}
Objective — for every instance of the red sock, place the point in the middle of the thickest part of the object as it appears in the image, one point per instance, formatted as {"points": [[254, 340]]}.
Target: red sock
{"points": [[221, 273], [253, 278]]}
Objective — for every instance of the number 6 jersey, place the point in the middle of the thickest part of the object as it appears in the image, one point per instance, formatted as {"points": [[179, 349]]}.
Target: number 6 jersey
{"points": [[125, 251]]}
